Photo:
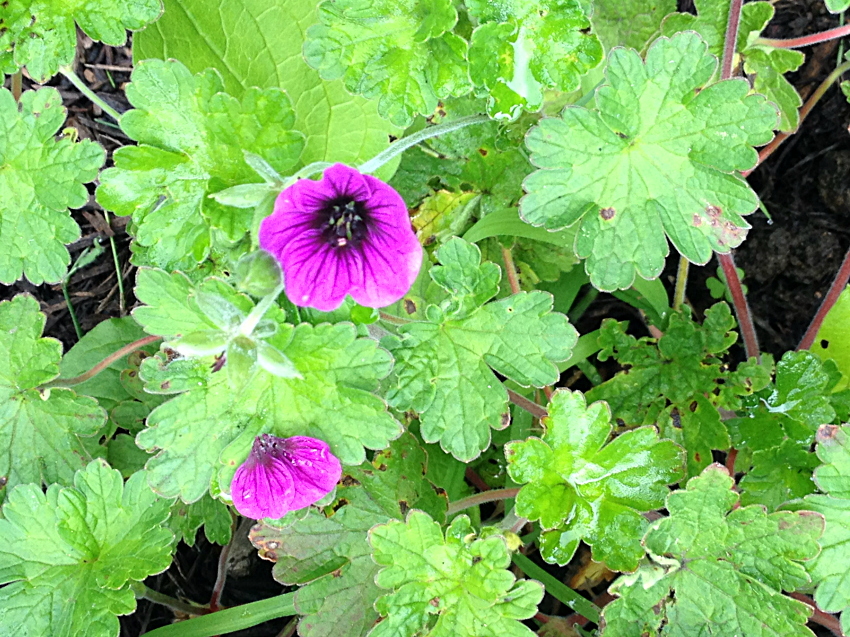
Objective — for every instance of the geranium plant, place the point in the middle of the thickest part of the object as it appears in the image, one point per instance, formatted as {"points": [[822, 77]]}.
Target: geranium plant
{"points": [[364, 238]]}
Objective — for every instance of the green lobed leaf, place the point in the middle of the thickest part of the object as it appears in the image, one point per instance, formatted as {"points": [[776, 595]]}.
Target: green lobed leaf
{"points": [[678, 381], [39, 429], [67, 556], [40, 178], [832, 341], [715, 570], [764, 65], [522, 47], [258, 43], [402, 53], [668, 157], [445, 365], [829, 569], [447, 586], [329, 554], [633, 24], [207, 430], [42, 35], [581, 487], [191, 138], [214, 515]]}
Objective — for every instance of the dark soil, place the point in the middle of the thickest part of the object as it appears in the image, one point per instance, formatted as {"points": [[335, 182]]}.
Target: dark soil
{"points": [[789, 263]]}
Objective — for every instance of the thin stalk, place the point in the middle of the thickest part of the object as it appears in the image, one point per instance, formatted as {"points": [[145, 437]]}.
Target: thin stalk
{"points": [[742, 309], [580, 308], [524, 403], [510, 268], [731, 40], [681, 283], [117, 262], [17, 85], [75, 79], [426, 133], [814, 98], [143, 592], [106, 362], [232, 619], [837, 287], [247, 327], [558, 589], [806, 40], [73, 314], [390, 318], [482, 498]]}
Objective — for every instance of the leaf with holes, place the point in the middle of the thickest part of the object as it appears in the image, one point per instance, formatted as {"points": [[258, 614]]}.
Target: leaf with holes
{"points": [[582, 489], [655, 159], [403, 53], [329, 555], [68, 556], [520, 48], [191, 138], [39, 429], [445, 366], [714, 569], [448, 586], [41, 176], [42, 35]]}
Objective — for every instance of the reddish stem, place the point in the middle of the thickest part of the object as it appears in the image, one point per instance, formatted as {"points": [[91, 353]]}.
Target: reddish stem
{"points": [[742, 309], [510, 268], [476, 480], [814, 98], [838, 285], [524, 403], [730, 461], [731, 40], [826, 620], [807, 40]]}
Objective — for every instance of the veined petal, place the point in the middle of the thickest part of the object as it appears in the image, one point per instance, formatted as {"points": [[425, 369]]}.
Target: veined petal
{"points": [[315, 470], [344, 181], [262, 489]]}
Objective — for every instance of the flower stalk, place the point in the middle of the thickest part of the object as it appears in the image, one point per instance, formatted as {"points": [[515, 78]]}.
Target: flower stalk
{"points": [[806, 40], [81, 86], [835, 290]]}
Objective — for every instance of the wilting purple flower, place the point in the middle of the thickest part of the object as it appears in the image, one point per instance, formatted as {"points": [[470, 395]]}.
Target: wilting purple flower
{"points": [[347, 233], [283, 475]]}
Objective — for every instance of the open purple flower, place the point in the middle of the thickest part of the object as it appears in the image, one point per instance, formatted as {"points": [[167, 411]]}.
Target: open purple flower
{"points": [[347, 233], [283, 475]]}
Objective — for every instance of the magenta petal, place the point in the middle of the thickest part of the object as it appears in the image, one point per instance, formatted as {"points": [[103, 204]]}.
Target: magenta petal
{"points": [[262, 489], [345, 181], [314, 468]]}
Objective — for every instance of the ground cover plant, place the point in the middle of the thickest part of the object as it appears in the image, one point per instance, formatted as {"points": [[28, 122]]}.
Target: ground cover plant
{"points": [[393, 318]]}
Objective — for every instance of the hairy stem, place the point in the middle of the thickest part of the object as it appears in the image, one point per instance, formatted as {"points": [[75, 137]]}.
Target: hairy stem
{"points": [[681, 282], [510, 268], [731, 40], [106, 362], [143, 592], [806, 40], [17, 85], [742, 308], [247, 327], [814, 98], [75, 79], [398, 147], [524, 403], [482, 498], [837, 287], [390, 318], [221, 574]]}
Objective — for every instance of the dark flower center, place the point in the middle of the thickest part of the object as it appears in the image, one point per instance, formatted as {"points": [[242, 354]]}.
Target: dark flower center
{"points": [[344, 223]]}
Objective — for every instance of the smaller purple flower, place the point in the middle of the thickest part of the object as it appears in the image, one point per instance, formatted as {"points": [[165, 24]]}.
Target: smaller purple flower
{"points": [[283, 475], [347, 233]]}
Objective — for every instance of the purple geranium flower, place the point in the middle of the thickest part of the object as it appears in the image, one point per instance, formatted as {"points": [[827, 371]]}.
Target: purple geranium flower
{"points": [[283, 475], [347, 233]]}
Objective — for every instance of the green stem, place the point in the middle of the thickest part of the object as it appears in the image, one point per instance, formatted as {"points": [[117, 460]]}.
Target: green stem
{"points": [[143, 592], [557, 589], [68, 72], [395, 320], [73, 314], [259, 310], [308, 171], [426, 133], [231, 619], [17, 85], [121, 308], [482, 498], [681, 283], [106, 362]]}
